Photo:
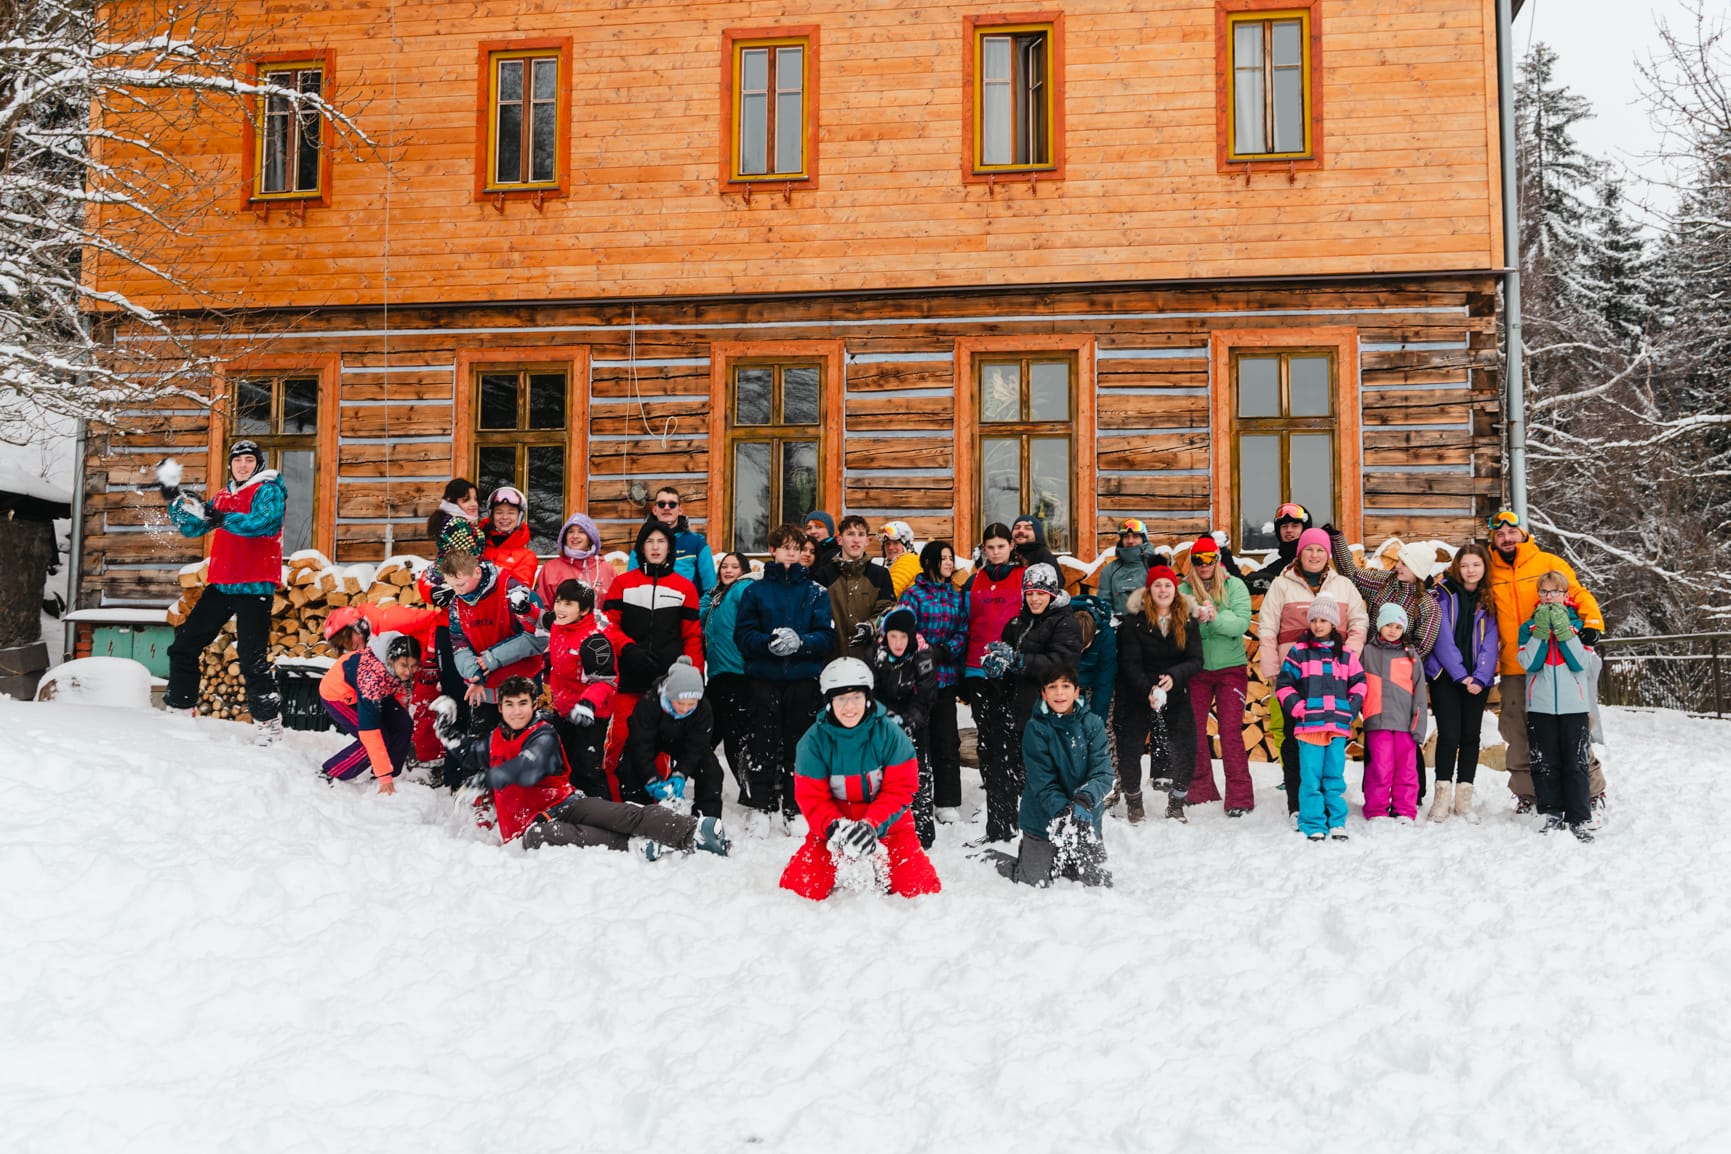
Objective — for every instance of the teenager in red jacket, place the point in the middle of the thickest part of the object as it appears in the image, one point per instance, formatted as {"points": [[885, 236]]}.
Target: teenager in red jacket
{"points": [[492, 619], [583, 677], [524, 765], [656, 609], [506, 533]]}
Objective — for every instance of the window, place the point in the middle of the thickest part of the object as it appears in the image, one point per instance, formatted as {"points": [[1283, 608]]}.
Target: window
{"points": [[775, 448], [520, 440], [1269, 95], [1025, 443], [769, 110], [1015, 105], [524, 86], [287, 148], [1284, 430], [281, 413]]}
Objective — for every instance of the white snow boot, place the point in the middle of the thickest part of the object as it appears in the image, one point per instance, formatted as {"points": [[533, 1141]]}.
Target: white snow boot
{"points": [[267, 732], [175, 711], [1464, 803], [948, 815], [1442, 805]]}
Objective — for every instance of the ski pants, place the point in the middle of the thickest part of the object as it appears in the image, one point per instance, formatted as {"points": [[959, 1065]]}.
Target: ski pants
{"points": [[1512, 725], [591, 821], [1000, 745], [779, 714], [1040, 861], [945, 752], [1172, 750], [811, 873], [1561, 745], [1322, 785], [729, 698], [623, 705], [351, 760], [1390, 773], [251, 613], [1221, 691], [1459, 719], [925, 818], [584, 747]]}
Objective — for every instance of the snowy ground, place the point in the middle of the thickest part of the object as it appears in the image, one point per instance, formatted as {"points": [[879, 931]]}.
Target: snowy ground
{"points": [[205, 950]]}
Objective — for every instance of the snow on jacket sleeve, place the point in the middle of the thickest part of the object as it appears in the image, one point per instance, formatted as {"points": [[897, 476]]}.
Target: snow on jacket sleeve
{"points": [[818, 638], [539, 758], [1100, 774], [264, 519]]}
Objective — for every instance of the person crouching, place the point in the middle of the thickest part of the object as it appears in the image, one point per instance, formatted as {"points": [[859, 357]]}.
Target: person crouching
{"points": [[670, 752], [1069, 764], [855, 776], [524, 765], [366, 694]]}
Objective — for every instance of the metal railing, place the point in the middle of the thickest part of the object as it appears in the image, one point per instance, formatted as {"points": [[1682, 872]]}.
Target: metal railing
{"points": [[1686, 671]]}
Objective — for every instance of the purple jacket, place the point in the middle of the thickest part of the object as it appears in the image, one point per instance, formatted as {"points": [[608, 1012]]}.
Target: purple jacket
{"points": [[1481, 663]]}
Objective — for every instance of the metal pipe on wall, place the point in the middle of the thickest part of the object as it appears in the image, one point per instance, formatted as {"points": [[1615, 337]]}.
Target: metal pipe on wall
{"points": [[1515, 398]]}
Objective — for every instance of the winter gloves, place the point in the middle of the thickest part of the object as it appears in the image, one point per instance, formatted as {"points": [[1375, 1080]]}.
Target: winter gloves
{"points": [[582, 714], [668, 789], [862, 635], [784, 642], [445, 724], [441, 596], [1551, 621], [168, 475], [520, 599], [851, 839], [1000, 659]]}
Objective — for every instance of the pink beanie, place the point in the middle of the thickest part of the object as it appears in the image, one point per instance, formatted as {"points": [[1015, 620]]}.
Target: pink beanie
{"points": [[1315, 537]]}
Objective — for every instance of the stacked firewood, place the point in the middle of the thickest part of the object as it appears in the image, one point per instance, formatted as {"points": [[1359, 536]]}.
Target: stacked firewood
{"points": [[312, 587]]}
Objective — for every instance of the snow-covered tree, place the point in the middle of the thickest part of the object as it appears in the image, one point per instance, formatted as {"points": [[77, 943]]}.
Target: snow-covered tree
{"points": [[86, 89]]}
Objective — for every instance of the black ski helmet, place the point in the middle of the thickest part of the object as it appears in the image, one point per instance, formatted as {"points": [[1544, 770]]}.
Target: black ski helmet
{"points": [[247, 448]]}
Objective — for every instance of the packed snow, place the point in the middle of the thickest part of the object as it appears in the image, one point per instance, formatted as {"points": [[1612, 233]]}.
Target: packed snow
{"points": [[205, 949]]}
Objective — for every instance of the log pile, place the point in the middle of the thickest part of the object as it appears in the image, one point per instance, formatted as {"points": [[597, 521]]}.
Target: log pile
{"points": [[312, 587]]}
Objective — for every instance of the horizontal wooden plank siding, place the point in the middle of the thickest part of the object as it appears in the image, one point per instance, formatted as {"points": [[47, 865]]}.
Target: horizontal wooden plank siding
{"points": [[1430, 452]]}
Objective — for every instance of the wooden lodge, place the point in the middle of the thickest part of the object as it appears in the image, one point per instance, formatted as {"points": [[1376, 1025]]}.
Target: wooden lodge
{"points": [[938, 262]]}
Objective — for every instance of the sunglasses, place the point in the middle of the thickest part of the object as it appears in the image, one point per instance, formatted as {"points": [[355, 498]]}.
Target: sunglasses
{"points": [[667, 504]]}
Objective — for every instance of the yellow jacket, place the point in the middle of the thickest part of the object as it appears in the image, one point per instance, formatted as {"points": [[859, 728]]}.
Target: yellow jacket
{"points": [[1515, 593], [903, 570]]}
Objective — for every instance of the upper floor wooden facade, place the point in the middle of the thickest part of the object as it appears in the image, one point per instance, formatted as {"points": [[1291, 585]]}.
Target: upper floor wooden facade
{"points": [[1128, 169]]}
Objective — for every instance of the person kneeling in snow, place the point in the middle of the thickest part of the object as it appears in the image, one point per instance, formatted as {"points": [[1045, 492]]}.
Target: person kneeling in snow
{"points": [[1069, 765], [670, 750], [367, 694], [855, 775], [533, 799]]}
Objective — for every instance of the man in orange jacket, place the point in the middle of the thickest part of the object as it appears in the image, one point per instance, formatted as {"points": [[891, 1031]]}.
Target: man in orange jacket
{"points": [[1513, 580]]}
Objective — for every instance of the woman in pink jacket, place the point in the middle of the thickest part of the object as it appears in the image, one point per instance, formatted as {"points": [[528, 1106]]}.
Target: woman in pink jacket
{"points": [[579, 559]]}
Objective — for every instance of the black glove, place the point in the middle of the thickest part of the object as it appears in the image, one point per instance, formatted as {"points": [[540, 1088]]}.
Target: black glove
{"points": [[519, 598], [170, 492], [861, 636], [441, 596], [214, 517], [941, 654], [1590, 636], [635, 662]]}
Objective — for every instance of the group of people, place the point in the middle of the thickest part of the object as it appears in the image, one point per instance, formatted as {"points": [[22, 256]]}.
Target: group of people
{"points": [[590, 704]]}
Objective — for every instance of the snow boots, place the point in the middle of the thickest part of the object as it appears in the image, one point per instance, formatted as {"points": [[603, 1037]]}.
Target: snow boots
{"points": [[1133, 808], [1175, 809], [1443, 804], [267, 732], [710, 837], [1464, 802]]}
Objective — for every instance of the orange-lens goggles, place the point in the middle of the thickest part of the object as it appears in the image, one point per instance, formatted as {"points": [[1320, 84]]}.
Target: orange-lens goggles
{"points": [[1205, 558], [1291, 509], [1133, 526], [1505, 518]]}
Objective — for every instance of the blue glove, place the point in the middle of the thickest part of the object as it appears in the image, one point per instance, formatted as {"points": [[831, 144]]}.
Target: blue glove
{"points": [[677, 783], [997, 660], [667, 789]]}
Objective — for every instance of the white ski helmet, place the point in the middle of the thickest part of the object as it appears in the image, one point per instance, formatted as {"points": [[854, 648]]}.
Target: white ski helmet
{"points": [[843, 675]]}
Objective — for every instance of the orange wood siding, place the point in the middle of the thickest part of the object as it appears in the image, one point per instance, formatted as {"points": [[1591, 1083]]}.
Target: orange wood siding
{"points": [[1407, 184]]}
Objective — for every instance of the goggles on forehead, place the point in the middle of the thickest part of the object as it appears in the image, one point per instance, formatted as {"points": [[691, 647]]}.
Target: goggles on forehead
{"points": [[1291, 509], [1505, 518], [1132, 525]]}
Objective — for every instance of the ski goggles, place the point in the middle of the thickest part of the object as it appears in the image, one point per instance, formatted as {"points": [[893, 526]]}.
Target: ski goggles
{"points": [[1132, 525], [1291, 511], [1205, 556], [1505, 519], [506, 495]]}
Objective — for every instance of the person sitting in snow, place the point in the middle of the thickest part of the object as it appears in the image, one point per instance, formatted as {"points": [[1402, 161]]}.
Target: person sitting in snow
{"points": [[1069, 765], [670, 750], [583, 679], [524, 765], [855, 776], [244, 520], [492, 619], [366, 693], [907, 684]]}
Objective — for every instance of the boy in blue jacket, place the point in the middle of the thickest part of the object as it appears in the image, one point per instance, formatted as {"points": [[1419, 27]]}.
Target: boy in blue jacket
{"points": [[1069, 763], [1562, 676]]}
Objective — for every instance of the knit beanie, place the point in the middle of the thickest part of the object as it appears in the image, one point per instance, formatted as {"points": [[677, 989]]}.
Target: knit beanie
{"points": [[901, 619], [1420, 559], [1325, 607], [820, 515], [1041, 578], [682, 683], [459, 534], [1391, 614], [1315, 537], [1159, 573]]}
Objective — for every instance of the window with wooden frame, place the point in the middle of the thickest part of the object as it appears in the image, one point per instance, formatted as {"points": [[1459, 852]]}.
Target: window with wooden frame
{"points": [[1269, 60], [1284, 439], [1026, 442], [524, 101], [769, 109], [289, 136], [281, 412], [519, 439], [774, 447], [1016, 115]]}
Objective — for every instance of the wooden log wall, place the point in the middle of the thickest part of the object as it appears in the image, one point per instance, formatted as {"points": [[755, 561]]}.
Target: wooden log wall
{"points": [[1428, 404]]}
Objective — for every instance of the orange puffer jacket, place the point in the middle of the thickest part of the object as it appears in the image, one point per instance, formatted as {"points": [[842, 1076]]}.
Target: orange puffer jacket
{"points": [[1515, 592]]}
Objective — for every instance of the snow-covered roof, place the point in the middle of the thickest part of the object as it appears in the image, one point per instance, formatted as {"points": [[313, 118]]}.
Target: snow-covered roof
{"points": [[17, 480]]}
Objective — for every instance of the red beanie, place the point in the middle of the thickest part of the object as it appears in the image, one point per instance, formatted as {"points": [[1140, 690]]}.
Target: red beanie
{"points": [[1155, 572], [1204, 546]]}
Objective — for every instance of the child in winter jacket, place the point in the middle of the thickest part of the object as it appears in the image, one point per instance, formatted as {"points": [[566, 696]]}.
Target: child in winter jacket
{"points": [[906, 682], [1394, 713], [728, 690], [1562, 676], [523, 764], [583, 678], [367, 694], [1069, 774], [670, 751], [1321, 687], [941, 618], [1159, 651], [784, 634], [492, 619], [1040, 640], [855, 776], [506, 535], [579, 559], [1461, 669], [655, 607]]}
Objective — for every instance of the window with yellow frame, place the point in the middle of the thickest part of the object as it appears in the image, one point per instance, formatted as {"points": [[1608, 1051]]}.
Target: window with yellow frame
{"points": [[770, 107], [524, 130], [290, 135], [1268, 85], [1284, 439], [1014, 95]]}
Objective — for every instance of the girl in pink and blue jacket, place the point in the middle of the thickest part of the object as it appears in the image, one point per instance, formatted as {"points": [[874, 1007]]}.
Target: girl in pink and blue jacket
{"points": [[1321, 688]]}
